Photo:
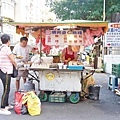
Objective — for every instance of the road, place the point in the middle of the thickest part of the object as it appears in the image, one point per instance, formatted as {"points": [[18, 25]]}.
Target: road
{"points": [[107, 108]]}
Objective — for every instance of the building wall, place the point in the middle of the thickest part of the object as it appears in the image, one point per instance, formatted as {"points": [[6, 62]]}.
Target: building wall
{"points": [[115, 51], [22, 11], [7, 9], [11, 30], [29, 11], [7, 13]]}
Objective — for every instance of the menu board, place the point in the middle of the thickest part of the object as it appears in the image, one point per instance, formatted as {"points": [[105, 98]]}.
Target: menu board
{"points": [[64, 37]]}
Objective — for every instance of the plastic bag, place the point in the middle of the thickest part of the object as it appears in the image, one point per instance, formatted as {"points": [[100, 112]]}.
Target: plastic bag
{"points": [[24, 109], [19, 107], [33, 103]]}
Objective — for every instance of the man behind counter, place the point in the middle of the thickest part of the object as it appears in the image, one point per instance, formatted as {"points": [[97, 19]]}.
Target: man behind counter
{"points": [[68, 55]]}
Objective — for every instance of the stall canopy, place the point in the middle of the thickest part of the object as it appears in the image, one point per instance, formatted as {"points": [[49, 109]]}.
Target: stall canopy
{"points": [[90, 28], [78, 23]]}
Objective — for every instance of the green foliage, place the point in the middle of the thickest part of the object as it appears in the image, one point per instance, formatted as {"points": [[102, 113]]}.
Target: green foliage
{"points": [[83, 9]]}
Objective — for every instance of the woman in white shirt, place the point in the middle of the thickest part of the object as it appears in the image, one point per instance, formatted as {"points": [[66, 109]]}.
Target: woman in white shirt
{"points": [[6, 69]]}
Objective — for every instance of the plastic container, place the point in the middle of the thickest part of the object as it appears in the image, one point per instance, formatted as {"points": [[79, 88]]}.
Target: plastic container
{"points": [[64, 66], [57, 97], [116, 66], [76, 67], [60, 65], [116, 70], [47, 60]]}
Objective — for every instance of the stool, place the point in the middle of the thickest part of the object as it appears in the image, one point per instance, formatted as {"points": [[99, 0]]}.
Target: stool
{"points": [[113, 82]]}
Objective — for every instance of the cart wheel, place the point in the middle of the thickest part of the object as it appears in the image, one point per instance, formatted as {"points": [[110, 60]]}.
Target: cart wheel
{"points": [[43, 97], [74, 98]]}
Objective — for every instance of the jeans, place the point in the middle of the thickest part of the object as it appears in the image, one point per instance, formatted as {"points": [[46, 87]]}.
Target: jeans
{"points": [[6, 80]]}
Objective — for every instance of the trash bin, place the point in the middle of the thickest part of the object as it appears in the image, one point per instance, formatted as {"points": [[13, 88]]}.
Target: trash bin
{"points": [[94, 92]]}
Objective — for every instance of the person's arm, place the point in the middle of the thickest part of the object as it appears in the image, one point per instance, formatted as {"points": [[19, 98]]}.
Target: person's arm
{"points": [[11, 56], [14, 50], [75, 56], [63, 55]]}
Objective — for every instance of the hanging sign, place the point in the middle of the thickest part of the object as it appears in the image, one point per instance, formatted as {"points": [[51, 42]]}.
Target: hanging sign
{"points": [[112, 37], [64, 37]]}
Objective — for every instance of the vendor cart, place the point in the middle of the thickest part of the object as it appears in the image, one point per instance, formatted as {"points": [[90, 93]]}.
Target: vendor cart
{"points": [[53, 80], [56, 80]]}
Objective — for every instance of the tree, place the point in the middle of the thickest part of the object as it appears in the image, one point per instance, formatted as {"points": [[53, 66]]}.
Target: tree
{"points": [[83, 9]]}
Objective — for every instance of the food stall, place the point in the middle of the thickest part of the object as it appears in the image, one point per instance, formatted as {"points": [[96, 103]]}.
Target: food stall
{"points": [[57, 77]]}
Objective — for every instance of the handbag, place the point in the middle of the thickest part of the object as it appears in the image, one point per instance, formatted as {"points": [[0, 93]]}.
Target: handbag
{"points": [[15, 72]]}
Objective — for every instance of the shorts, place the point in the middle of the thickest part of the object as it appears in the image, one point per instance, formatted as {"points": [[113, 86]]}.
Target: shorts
{"points": [[22, 74]]}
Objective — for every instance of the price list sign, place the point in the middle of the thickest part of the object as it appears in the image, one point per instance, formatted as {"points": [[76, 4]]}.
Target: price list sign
{"points": [[64, 37], [112, 37]]}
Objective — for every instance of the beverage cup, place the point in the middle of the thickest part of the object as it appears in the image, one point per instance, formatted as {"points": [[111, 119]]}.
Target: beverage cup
{"points": [[64, 66]]}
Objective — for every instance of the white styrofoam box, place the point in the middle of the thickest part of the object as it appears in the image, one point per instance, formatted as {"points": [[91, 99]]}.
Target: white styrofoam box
{"points": [[47, 60], [109, 60]]}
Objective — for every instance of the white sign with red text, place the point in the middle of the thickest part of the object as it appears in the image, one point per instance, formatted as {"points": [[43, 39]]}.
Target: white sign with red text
{"points": [[64, 37], [112, 37]]}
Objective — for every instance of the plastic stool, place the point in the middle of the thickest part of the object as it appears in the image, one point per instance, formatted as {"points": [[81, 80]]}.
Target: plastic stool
{"points": [[113, 82]]}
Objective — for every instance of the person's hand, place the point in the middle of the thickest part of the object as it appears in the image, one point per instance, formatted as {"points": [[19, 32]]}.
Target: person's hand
{"points": [[66, 61], [30, 62], [69, 59]]}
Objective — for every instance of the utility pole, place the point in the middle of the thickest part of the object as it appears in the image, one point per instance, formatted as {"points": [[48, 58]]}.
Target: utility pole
{"points": [[104, 7], [103, 37]]}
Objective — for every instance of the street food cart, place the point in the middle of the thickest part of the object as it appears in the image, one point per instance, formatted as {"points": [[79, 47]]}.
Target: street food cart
{"points": [[59, 78]]}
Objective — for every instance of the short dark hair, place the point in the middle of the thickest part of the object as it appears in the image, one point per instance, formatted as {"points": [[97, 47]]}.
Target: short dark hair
{"points": [[5, 38], [23, 39]]}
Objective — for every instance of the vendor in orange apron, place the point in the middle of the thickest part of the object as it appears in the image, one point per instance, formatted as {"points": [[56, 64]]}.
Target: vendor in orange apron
{"points": [[68, 55]]}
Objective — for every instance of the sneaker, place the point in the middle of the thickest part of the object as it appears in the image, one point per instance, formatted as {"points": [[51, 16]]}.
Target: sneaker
{"points": [[4, 112], [9, 107]]}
